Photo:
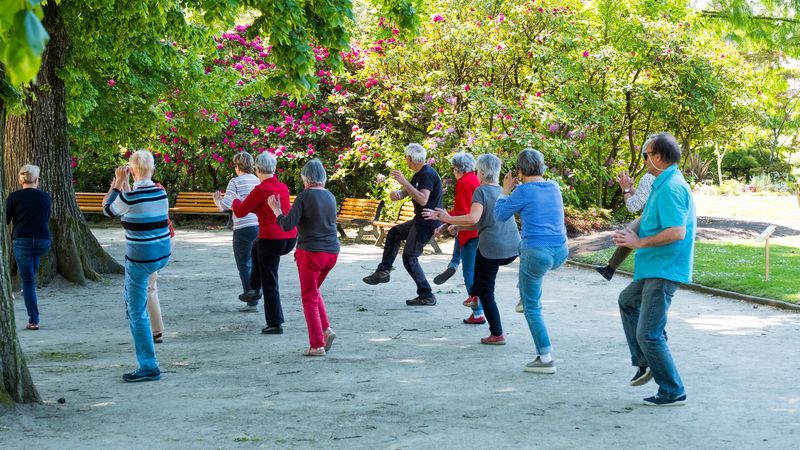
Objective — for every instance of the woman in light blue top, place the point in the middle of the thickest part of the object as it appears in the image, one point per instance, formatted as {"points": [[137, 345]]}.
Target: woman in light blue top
{"points": [[544, 242]]}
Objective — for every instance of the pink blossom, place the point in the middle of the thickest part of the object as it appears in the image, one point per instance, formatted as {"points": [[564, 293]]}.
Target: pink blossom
{"points": [[466, 88], [282, 134], [220, 46], [301, 132], [364, 158], [437, 18], [175, 141], [380, 178], [288, 119], [256, 131], [270, 128], [312, 128], [73, 163], [355, 128], [163, 139], [234, 122], [431, 161], [167, 159], [586, 53], [310, 152], [169, 115], [538, 93], [111, 82]]}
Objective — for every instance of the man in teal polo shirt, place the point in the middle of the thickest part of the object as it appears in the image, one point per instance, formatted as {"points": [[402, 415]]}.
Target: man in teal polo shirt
{"points": [[664, 260]]}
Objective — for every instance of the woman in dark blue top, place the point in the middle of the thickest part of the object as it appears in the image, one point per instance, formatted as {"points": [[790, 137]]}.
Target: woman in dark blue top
{"points": [[28, 211]]}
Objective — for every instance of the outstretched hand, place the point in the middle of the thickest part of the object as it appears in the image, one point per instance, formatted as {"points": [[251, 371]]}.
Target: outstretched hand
{"points": [[509, 183], [624, 180], [435, 214], [626, 238], [275, 204]]}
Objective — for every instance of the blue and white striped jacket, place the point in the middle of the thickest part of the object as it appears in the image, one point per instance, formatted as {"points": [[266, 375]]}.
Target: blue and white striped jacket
{"points": [[145, 218]]}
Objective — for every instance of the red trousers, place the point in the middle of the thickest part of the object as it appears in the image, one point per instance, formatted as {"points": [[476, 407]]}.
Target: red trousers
{"points": [[312, 268]]}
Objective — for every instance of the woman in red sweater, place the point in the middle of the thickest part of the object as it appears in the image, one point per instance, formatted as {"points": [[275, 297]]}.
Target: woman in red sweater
{"points": [[273, 242], [466, 243]]}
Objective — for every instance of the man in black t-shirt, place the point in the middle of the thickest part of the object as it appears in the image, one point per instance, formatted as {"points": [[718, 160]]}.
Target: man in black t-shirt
{"points": [[425, 190]]}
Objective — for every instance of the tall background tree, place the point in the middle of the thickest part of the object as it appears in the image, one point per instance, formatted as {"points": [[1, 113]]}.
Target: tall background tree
{"points": [[22, 42]]}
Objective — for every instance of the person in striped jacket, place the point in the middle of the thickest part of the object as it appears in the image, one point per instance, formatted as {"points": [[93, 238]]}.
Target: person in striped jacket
{"points": [[144, 213]]}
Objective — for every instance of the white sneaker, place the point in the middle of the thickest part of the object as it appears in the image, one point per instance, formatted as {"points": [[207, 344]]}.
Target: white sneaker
{"points": [[519, 308], [248, 308], [537, 366]]}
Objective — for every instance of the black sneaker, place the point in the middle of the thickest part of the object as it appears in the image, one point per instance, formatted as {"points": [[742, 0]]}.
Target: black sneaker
{"points": [[607, 272], [142, 375], [250, 296], [272, 330], [380, 276], [421, 301], [643, 375], [444, 276], [656, 400]]}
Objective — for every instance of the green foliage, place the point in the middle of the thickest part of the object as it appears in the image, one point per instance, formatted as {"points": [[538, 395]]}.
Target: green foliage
{"points": [[22, 40]]}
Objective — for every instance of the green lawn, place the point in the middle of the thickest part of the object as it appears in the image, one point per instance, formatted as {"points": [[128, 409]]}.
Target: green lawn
{"points": [[736, 267]]}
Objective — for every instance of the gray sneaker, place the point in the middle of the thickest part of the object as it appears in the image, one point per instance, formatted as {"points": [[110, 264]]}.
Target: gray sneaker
{"points": [[519, 308], [421, 301], [537, 366]]}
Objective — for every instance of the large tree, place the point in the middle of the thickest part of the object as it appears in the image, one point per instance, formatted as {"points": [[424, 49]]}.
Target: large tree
{"points": [[22, 41]]}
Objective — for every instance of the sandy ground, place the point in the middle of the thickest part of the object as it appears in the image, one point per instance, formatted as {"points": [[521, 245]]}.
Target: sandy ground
{"points": [[397, 376]]}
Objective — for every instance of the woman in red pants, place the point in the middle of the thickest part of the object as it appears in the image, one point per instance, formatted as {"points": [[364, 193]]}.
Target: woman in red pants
{"points": [[314, 215]]}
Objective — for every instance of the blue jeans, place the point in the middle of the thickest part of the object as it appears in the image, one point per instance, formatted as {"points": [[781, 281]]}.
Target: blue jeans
{"points": [[467, 256], [644, 306], [244, 239], [533, 264], [456, 259], [136, 277], [27, 252]]}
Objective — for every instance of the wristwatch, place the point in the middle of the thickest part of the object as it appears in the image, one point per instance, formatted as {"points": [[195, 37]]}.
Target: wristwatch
{"points": [[627, 191]]}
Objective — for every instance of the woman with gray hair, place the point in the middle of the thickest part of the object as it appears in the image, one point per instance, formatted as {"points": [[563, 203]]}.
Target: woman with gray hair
{"points": [[314, 215], [245, 229], [273, 241], [144, 213], [544, 242], [498, 242], [28, 210], [465, 246]]}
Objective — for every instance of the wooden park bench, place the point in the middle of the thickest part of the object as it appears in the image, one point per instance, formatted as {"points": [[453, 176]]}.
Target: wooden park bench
{"points": [[361, 212], [200, 203], [90, 202], [406, 213]]}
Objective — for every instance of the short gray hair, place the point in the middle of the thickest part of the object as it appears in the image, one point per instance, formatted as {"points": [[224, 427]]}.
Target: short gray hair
{"points": [[416, 152], [489, 166], [142, 161], [463, 162], [314, 172], [530, 163], [265, 163], [28, 174]]}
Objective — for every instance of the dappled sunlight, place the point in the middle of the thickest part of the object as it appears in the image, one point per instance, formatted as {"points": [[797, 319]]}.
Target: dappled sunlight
{"points": [[411, 361], [503, 390], [381, 339], [735, 324], [103, 404]]}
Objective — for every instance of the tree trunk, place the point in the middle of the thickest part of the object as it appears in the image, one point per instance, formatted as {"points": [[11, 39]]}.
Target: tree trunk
{"points": [[16, 384], [40, 137]]}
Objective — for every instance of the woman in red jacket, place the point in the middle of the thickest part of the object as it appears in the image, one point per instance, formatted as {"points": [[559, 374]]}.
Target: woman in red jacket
{"points": [[273, 241], [466, 243]]}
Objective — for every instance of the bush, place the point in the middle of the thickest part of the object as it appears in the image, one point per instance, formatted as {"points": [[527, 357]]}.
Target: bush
{"points": [[580, 221]]}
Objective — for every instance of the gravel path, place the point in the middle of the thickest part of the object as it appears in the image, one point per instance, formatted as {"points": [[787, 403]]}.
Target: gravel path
{"points": [[397, 377]]}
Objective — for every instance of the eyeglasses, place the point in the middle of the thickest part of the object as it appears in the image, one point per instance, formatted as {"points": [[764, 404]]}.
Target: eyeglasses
{"points": [[644, 155]]}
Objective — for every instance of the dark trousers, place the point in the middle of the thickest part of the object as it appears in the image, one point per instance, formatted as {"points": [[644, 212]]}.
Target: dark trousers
{"points": [[269, 257], [416, 237], [619, 257], [483, 287], [244, 242]]}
